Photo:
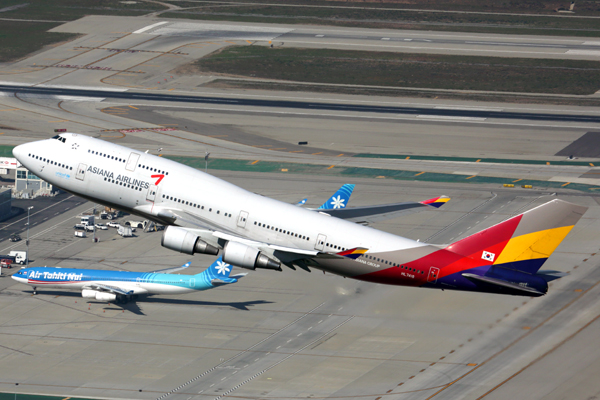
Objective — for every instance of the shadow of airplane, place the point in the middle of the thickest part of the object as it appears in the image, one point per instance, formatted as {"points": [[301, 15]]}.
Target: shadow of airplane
{"points": [[132, 306]]}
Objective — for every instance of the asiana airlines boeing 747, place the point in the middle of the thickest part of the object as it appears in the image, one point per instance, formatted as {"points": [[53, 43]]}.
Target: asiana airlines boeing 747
{"points": [[207, 215]]}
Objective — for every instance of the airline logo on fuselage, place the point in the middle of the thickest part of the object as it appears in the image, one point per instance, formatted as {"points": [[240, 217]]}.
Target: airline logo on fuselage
{"points": [[122, 178], [60, 276]]}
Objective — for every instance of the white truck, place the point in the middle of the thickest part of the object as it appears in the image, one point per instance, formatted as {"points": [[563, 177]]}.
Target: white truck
{"points": [[125, 231], [16, 257], [88, 220]]}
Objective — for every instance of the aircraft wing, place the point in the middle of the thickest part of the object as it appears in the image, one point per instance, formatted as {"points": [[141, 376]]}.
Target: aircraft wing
{"points": [[111, 288], [369, 214], [263, 245]]}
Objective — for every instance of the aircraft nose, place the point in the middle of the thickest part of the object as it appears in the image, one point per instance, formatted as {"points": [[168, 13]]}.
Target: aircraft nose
{"points": [[19, 152]]}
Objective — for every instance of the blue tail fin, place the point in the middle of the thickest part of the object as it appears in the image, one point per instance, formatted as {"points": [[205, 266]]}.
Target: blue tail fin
{"points": [[218, 272], [339, 199], [301, 202]]}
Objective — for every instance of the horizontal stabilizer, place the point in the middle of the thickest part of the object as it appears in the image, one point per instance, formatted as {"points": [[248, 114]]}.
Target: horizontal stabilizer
{"points": [[549, 275], [503, 286], [171, 270], [219, 282]]}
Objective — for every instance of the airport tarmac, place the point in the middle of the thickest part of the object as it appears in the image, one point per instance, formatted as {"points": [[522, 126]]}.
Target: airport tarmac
{"points": [[293, 334], [296, 334]]}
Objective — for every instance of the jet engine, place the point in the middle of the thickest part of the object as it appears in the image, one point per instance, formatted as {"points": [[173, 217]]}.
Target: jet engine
{"points": [[100, 296], [88, 294], [184, 241], [240, 255]]}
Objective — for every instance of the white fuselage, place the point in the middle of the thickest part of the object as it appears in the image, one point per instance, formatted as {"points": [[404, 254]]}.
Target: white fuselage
{"points": [[148, 185]]}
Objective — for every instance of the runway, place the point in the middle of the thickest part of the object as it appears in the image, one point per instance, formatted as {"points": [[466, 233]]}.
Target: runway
{"points": [[449, 112]]}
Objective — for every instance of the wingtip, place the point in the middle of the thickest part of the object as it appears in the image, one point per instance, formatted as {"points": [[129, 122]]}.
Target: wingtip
{"points": [[436, 202]]}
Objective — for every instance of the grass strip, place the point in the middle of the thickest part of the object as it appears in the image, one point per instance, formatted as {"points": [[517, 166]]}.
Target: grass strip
{"points": [[6, 151], [470, 159], [350, 67], [70, 10], [381, 15], [393, 92], [20, 38], [382, 173]]}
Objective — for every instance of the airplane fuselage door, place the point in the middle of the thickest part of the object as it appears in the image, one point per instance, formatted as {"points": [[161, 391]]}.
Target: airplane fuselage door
{"points": [[243, 217], [320, 244], [192, 282], [81, 172], [138, 281], [132, 161], [433, 274], [151, 193]]}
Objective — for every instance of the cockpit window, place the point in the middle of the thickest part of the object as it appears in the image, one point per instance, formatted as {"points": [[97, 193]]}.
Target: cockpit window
{"points": [[58, 137]]}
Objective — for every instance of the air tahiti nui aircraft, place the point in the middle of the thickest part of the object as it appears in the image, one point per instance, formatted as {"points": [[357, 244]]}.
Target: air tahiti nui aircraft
{"points": [[121, 286], [207, 215]]}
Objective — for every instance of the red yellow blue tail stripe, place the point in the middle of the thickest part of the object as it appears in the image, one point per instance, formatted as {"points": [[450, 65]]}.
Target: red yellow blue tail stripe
{"points": [[353, 253], [436, 202]]}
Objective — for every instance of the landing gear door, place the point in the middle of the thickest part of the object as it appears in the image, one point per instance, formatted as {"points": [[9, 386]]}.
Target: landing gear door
{"points": [[433, 274], [320, 244], [132, 161], [81, 172], [243, 217], [151, 193]]}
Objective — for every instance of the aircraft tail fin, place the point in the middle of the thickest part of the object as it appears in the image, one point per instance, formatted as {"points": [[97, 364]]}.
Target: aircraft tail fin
{"points": [[524, 242], [339, 199], [218, 273]]}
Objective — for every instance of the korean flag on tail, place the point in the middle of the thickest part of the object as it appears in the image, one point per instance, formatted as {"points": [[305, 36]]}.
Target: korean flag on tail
{"points": [[487, 256]]}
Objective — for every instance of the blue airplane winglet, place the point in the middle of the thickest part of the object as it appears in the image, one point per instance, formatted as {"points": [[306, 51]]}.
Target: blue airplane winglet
{"points": [[339, 199]]}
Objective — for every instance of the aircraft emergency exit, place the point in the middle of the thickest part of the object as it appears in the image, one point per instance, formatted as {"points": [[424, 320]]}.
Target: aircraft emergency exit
{"points": [[207, 215]]}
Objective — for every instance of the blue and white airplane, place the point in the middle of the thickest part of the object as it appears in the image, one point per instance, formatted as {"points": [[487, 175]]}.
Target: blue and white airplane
{"points": [[121, 286]]}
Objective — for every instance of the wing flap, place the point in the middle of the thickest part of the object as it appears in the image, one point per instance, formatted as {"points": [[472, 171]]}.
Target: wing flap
{"points": [[112, 289]]}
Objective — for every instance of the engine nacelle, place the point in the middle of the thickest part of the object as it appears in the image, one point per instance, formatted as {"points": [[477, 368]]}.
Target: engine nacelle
{"points": [[100, 296], [103, 296], [240, 255], [184, 241], [88, 294]]}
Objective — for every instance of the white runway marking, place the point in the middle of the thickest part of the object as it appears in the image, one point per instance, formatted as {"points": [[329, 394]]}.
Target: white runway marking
{"points": [[147, 28], [451, 117], [584, 52]]}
